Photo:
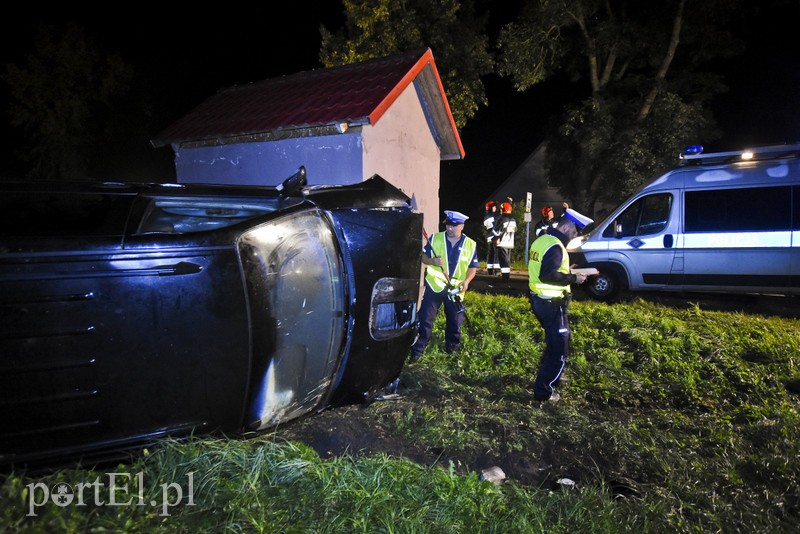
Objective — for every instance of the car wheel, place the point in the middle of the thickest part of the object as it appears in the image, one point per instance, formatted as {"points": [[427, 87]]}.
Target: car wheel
{"points": [[603, 287]]}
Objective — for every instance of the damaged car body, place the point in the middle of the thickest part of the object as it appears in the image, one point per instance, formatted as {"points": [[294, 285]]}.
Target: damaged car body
{"points": [[132, 312]]}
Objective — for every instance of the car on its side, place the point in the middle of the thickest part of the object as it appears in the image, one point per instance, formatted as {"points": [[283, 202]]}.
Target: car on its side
{"points": [[130, 312]]}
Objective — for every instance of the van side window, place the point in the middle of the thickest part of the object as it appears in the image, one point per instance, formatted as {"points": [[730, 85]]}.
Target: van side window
{"points": [[646, 216], [796, 211], [747, 209]]}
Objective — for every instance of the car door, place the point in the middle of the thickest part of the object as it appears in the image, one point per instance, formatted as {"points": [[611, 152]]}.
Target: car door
{"points": [[643, 239]]}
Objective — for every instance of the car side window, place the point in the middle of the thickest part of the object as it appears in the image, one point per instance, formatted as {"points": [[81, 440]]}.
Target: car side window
{"points": [[646, 216], [180, 216], [655, 214], [63, 214]]}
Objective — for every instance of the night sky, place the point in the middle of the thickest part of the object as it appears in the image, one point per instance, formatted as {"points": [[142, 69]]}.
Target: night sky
{"points": [[186, 61]]}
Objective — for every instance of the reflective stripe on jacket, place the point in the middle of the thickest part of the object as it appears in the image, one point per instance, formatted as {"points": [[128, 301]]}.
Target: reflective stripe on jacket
{"points": [[537, 252], [507, 230], [488, 223], [434, 276]]}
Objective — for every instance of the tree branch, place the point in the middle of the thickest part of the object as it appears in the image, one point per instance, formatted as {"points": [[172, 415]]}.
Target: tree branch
{"points": [[677, 22], [591, 49]]}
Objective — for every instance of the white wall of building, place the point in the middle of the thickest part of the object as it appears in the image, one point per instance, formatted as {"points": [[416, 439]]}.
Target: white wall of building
{"points": [[401, 148]]}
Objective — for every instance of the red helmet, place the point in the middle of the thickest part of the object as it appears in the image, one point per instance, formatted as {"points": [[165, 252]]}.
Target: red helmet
{"points": [[505, 208], [490, 204], [546, 210]]}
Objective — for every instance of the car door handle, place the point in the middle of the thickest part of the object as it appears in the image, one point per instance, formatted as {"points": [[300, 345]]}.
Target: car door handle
{"points": [[175, 269], [182, 267]]}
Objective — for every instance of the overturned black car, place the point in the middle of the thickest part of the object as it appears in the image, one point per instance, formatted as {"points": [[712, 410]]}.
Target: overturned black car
{"points": [[130, 312]]}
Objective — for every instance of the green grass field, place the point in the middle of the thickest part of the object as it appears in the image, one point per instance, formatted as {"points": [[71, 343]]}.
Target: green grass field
{"points": [[672, 421]]}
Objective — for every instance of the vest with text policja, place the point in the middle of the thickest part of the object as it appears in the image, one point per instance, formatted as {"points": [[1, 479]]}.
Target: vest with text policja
{"points": [[537, 252], [434, 276]]}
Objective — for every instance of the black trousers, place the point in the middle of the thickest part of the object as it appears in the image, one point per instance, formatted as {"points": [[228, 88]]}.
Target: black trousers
{"points": [[552, 315], [504, 256], [491, 257], [431, 302]]}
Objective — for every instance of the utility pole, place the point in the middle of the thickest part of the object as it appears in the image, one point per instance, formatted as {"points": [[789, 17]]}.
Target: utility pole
{"points": [[528, 200]]}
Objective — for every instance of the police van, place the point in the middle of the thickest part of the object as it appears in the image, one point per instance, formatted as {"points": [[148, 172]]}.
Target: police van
{"points": [[720, 222]]}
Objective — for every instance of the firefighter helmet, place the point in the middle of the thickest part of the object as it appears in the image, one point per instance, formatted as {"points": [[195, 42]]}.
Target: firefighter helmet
{"points": [[505, 207]]}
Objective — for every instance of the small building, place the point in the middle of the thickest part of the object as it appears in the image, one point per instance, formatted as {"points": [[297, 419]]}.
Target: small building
{"points": [[386, 116]]}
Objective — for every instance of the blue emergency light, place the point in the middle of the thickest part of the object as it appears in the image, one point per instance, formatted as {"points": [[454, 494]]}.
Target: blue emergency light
{"points": [[692, 149]]}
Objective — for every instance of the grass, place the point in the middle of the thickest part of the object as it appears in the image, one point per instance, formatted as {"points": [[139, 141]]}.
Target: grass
{"points": [[673, 421]]}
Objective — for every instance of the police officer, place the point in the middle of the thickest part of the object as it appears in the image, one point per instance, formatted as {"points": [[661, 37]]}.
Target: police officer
{"points": [[504, 230], [489, 220], [550, 294], [452, 261]]}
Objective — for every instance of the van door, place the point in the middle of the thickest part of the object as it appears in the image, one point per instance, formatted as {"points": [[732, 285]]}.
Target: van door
{"points": [[642, 239]]}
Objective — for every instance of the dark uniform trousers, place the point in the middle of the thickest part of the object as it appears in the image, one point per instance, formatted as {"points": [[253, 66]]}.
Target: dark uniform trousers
{"points": [[431, 302], [552, 315]]}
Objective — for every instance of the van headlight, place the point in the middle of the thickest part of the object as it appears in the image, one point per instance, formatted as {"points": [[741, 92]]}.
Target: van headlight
{"points": [[576, 242]]}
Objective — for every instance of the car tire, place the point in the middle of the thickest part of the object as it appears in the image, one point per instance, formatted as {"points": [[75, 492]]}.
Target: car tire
{"points": [[603, 287]]}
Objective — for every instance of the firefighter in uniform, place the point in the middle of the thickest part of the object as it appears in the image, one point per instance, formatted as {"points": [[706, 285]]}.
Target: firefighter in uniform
{"points": [[503, 234], [489, 220], [452, 261], [548, 219], [550, 294]]}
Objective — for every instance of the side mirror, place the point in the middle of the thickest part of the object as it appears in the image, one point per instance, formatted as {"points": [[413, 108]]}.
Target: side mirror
{"points": [[294, 183]]}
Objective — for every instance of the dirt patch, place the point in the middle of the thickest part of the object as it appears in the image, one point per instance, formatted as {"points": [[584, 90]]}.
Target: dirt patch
{"points": [[360, 430]]}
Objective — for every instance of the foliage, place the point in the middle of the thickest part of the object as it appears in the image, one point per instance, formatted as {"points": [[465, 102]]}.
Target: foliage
{"points": [[640, 64], [62, 98], [450, 28], [603, 158], [674, 420]]}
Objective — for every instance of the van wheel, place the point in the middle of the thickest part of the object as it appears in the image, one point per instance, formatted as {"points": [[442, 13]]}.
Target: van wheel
{"points": [[603, 287]]}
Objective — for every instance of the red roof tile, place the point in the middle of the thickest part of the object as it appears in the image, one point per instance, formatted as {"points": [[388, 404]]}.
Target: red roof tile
{"points": [[357, 93]]}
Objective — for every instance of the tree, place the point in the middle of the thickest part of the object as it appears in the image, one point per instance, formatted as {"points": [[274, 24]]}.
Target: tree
{"points": [[646, 94], [378, 28], [63, 99]]}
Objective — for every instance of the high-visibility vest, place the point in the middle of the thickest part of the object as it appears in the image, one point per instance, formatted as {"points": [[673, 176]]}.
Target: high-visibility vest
{"points": [[536, 253], [434, 275]]}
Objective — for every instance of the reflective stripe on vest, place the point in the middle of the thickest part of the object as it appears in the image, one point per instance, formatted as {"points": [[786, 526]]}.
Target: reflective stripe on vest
{"points": [[434, 275], [537, 252]]}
